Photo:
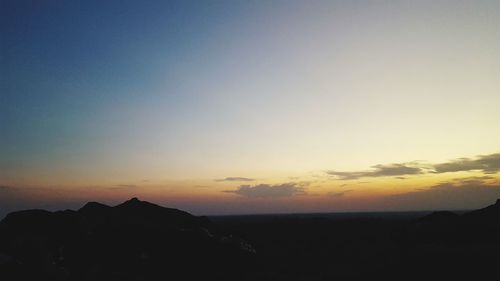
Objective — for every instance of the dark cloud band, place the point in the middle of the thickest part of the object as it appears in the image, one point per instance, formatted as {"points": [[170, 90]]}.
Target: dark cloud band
{"points": [[488, 164], [380, 171]]}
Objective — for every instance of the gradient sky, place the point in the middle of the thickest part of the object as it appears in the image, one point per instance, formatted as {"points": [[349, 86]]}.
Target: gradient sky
{"points": [[220, 107]]}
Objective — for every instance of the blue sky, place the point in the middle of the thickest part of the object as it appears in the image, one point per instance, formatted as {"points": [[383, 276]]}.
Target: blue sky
{"points": [[170, 95]]}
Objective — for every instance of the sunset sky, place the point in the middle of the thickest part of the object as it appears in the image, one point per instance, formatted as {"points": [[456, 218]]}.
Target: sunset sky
{"points": [[231, 107]]}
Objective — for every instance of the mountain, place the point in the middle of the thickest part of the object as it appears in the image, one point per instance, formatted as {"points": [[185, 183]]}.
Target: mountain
{"points": [[447, 227], [446, 245], [489, 215], [141, 241], [135, 240]]}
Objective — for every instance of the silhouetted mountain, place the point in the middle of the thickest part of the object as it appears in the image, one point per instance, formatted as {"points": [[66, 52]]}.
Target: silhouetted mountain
{"points": [[94, 209], [448, 227], [449, 245], [440, 217], [135, 240], [489, 215]]}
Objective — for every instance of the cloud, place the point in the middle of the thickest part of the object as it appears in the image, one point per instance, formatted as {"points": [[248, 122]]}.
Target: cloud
{"points": [[356, 183], [269, 191], [126, 185], [380, 171], [472, 180], [339, 194], [235, 179], [489, 164], [4, 187]]}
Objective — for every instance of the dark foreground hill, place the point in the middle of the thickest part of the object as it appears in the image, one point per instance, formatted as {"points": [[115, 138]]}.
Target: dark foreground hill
{"points": [[135, 240], [138, 240]]}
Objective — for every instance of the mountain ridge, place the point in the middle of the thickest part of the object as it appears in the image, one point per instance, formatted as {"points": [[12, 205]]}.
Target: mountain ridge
{"points": [[135, 238]]}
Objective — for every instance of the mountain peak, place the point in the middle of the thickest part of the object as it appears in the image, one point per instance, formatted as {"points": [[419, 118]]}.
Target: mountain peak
{"points": [[118, 241], [133, 202], [94, 209], [94, 205]]}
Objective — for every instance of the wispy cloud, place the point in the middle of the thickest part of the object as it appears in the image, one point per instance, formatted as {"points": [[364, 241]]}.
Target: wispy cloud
{"points": [[339, 194], [126, 185], [473, 180], [380, 171], [235, 179], [489, 164], [269, 191]]}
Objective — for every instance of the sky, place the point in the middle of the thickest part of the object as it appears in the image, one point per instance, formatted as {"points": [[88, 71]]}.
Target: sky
{"points": [[234, 107]]}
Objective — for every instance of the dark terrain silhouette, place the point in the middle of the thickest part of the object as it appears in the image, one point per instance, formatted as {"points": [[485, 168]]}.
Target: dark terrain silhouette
{"points": [[138, 240], [135, 240]]}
